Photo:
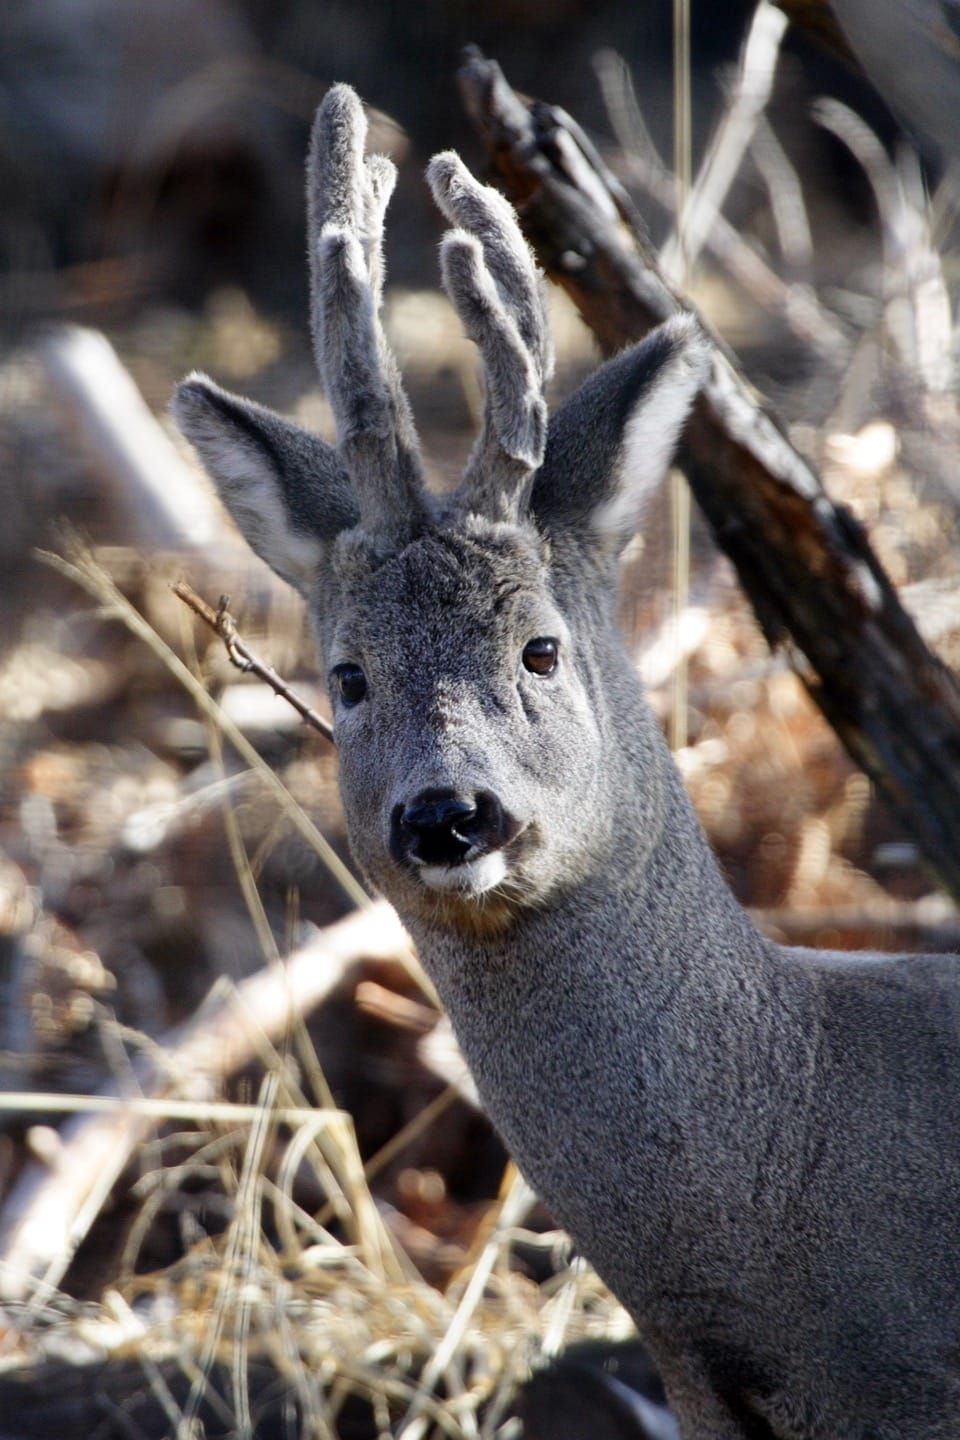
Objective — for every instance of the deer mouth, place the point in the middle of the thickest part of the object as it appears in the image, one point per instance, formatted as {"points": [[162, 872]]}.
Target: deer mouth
{"points": [[454, 844], [469, 878]]}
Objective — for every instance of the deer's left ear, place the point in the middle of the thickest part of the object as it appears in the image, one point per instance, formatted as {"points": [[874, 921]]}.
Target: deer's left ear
{"points": [[286, 488], [609, 445]]}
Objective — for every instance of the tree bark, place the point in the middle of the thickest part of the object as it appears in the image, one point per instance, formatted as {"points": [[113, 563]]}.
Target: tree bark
{"points": [[805, 563]]}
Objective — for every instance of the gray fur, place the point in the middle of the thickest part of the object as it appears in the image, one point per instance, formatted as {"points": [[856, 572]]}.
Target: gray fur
{"points": [[347, 195], [757, 1147], [286, 489], [482, 211], [600, 481], [517, 411], [496, 289]]}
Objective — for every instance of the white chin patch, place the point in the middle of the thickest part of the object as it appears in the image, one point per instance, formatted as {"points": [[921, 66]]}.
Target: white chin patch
{"points": [[473, 877]]}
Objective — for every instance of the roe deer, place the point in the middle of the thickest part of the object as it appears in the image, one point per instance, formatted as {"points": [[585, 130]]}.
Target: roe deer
{"points": [[757, 1147]]}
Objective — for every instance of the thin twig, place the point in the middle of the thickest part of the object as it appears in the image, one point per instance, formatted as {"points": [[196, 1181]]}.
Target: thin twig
{"points": [[797, 306], [84, 571], [787, 206], [240, 654], [752, 90], [511, 1210], [912, 265], [150, 1107], [680, 490]]}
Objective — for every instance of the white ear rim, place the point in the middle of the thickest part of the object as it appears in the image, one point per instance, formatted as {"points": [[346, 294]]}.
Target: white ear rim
{"points": [[651, 433], [247, 484]]}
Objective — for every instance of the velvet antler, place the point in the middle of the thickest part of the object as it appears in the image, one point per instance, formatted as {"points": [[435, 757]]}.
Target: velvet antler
{"points": [[492, 280], [347, 195]]}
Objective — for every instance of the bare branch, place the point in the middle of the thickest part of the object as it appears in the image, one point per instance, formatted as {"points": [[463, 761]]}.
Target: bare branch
{"points": [[240, 654], [797, 306], [751, 92], [910, 256], [156, 490], [83, 570]]}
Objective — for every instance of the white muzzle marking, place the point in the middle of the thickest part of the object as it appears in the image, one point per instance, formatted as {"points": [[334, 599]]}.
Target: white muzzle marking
{"points": [[472, 877]]}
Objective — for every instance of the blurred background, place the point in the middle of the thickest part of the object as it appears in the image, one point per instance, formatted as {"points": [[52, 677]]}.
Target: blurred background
{"points": [[151, 222]]}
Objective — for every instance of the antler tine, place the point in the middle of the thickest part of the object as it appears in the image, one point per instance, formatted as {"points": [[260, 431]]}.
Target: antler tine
{"points": [[492, 280], [347, 197]]}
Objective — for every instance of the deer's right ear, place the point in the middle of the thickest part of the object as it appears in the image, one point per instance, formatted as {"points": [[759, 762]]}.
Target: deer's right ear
{"points": [[286, 488]]}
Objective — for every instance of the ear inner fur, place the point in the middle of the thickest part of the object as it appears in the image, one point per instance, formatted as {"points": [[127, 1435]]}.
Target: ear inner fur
{"points": [[286, 489], [609, 446]]}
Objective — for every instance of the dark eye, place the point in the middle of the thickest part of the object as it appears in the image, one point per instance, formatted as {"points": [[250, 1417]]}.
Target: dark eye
{"points": [[351, 682], [540, 655]]}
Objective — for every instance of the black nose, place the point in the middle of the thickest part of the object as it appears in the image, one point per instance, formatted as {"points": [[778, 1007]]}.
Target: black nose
{"points": [[436, 826], [440, 827]]}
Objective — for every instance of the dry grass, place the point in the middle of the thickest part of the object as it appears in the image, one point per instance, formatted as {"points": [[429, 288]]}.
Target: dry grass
{"points": [[335, 1310]]}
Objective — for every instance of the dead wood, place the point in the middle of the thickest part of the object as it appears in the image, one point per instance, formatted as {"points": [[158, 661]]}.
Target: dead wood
{"points": [[929, 924], [53, 1204], [161, 497], [137, 1395], [806, 564]]}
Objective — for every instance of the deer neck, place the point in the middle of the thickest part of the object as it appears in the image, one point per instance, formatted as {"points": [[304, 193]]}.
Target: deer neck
{"points": [[622, 1041], [625, 1042], [652, 926]]}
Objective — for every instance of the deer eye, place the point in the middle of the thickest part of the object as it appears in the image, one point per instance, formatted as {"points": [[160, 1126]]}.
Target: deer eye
{"points": [[540, 655], [351, 682]]}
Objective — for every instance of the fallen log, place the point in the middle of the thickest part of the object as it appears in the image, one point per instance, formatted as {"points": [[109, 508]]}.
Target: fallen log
{"points": [[164, 501], [806, 565]]}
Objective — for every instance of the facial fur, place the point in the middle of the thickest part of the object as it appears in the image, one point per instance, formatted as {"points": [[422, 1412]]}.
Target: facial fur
{"points": [[438, 630]]}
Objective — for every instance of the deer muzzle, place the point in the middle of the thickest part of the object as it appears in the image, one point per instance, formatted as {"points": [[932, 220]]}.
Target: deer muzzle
{"points": [[453, 840]]}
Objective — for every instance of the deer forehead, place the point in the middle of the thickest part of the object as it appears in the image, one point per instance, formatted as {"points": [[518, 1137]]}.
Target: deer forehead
{"points": [[451, 585]]}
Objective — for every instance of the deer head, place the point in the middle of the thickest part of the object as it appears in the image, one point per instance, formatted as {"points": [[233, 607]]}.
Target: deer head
{"points": [[473, 666]]}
